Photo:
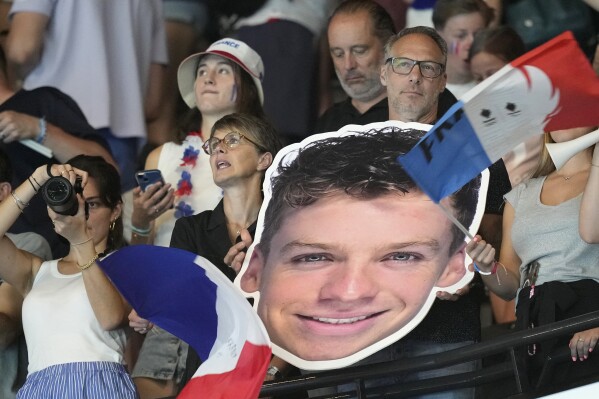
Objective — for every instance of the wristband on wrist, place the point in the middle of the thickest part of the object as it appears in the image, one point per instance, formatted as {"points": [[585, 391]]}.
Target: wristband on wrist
{"points": [[141, 232], [483, 273], [41, 137]]}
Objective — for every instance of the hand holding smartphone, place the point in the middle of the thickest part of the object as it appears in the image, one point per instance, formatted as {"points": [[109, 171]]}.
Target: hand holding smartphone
{"points": [[148, 177]]}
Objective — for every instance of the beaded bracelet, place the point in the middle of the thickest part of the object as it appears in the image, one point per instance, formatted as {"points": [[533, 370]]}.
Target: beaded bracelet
{"points": [[88, 264]]}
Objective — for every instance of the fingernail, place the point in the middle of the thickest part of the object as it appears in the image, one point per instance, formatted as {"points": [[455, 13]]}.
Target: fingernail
{"points": [[573, 358]]}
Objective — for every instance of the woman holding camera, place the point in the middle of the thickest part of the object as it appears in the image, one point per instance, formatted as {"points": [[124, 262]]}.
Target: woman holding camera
{"points": [[72, 314]]}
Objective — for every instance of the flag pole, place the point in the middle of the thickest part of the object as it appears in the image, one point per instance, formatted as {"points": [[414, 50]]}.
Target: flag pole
{"points": [[455, 221]]}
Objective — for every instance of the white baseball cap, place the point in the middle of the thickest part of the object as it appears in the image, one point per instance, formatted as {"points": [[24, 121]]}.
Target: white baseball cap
{"points": [[232, 49]]}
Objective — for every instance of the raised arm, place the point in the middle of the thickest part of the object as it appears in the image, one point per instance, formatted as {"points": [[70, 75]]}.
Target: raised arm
{"points": [[24, 44], [148, 205], [16, 126], [504, 283], [589, 207], [109, 307], [18, 267]]}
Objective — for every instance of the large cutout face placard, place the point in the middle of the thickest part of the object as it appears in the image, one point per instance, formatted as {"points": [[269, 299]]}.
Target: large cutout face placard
{"points": [[349, 254]]}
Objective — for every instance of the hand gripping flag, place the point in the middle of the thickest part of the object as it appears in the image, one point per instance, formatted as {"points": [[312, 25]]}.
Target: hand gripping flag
{"points": [[189, 297], [550, 88]]}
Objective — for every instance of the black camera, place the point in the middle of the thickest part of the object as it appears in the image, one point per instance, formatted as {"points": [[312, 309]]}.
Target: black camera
{"points": [[61, 196]]}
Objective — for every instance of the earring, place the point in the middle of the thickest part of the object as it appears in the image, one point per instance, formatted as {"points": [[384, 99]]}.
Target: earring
{"points": [[112, 224]]}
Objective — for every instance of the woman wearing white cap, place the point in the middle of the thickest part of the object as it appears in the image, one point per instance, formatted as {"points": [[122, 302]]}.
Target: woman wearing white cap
{"points": [[224, 79]]}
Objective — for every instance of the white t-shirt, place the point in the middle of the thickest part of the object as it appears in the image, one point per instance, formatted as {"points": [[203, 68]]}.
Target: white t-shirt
{"points": [[311, 14], [99, 52]]}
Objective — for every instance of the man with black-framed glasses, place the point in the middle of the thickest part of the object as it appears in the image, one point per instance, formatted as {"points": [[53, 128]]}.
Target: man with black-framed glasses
{"points": [[413, 93], [357, 33], [415, 77]]}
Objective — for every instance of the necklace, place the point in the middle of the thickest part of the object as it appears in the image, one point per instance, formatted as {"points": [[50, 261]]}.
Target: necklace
{"points": [[238, 231]]}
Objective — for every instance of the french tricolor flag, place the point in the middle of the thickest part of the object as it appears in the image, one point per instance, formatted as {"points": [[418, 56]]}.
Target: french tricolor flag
{"points": [[552, 87], [189, 297]]}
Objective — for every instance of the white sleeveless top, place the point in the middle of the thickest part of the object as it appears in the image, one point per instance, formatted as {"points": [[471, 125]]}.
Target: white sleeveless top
{"points": [[60, 325]]}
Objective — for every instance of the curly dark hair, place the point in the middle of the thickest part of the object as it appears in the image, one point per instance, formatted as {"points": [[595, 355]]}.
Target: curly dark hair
{"points": [[363, 165]]}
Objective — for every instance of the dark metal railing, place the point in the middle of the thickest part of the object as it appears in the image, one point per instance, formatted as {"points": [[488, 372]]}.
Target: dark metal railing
{"points": [[506, 344]]}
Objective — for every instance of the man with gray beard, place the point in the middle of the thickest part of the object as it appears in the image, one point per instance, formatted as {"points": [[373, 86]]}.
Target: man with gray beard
{"points": [[357, 33]]}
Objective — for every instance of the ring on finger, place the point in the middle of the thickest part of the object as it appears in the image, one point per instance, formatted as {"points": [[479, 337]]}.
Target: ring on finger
{"points": [[156, 210]]}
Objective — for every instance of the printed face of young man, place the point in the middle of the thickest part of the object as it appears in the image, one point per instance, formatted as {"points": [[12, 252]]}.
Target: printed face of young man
{"points": [[344, 273]]}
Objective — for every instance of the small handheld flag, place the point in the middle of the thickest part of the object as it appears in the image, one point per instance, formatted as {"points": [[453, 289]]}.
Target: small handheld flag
{"points": [[552, 87]]}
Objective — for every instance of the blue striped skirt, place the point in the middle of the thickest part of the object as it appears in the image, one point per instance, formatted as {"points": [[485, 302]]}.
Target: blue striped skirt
{"points": [[84, 380]]}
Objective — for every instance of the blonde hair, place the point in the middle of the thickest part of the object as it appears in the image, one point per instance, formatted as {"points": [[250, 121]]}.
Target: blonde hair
{"points": [[546, 164]]}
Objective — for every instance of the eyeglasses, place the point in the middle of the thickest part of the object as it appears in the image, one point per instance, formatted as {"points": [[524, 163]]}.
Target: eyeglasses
{"points": [[231, 140], [403, 66]]}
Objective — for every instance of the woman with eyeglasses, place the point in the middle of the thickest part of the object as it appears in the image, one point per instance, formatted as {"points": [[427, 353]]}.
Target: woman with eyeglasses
{"points": [[241, 148], [224, 79]]}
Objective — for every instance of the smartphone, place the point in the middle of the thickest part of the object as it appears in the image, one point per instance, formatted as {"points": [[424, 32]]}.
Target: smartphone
{"points": [[147, 177]]}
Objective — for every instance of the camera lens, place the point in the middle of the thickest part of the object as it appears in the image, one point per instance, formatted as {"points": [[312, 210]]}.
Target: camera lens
{"points": [[60, 195]]}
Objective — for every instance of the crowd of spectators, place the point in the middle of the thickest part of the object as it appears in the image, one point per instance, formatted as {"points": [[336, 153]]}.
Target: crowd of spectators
{"points": [[207, 92]]}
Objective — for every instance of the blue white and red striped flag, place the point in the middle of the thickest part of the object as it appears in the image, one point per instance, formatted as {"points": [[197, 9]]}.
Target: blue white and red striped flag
{"points": [[552, 87], [189, 297]]}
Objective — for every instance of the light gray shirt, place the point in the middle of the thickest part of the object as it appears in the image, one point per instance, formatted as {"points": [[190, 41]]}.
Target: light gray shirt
{"points": [[549, 234]]}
